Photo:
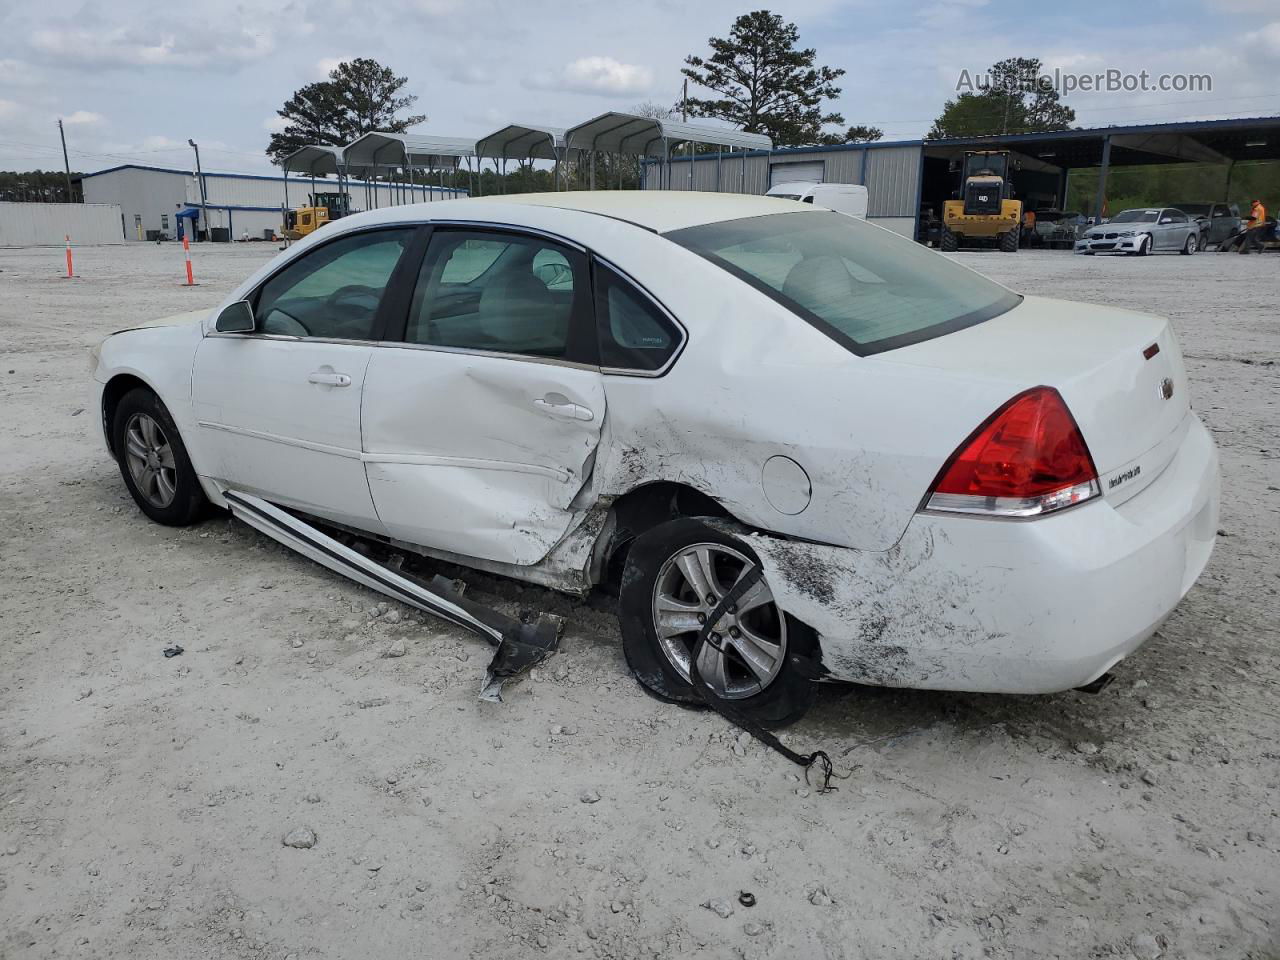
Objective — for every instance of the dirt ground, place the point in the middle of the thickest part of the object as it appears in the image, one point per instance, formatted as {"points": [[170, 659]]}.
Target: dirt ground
{"points": [[143, 800]]}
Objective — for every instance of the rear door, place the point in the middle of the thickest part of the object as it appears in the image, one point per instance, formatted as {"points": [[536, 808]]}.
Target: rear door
{"points": [[481, 425], [1174, 233]]}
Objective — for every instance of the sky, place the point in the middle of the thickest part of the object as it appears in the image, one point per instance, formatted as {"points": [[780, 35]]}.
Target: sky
{"points": [[132, 80]]}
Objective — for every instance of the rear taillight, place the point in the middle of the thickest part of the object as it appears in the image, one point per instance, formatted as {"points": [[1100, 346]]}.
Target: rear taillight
{"points": [[1028, 459]]}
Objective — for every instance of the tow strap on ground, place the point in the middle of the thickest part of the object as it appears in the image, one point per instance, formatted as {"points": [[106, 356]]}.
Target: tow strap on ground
{"points": [[710, 633], [519, 645]]}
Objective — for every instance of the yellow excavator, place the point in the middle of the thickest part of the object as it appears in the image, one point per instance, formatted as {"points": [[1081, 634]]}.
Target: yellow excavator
{"points": [[320, 209], [986, 212]]}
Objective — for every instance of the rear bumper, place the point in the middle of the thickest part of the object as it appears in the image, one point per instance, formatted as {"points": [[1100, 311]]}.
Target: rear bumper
{"points": [[1005, 606]]}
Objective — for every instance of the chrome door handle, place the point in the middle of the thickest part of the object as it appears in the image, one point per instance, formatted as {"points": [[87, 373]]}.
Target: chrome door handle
{"points": [[559, 406], [330, 379]]}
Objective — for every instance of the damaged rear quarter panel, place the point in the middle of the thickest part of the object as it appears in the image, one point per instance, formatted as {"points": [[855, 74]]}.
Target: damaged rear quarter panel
{"points": [[755, 381]]}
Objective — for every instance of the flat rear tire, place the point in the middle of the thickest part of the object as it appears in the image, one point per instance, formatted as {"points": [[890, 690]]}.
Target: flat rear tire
{"points": [[674, 576]]}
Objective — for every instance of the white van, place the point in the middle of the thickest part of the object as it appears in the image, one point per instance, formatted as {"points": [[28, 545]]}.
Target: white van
{"points": [[847, 198]]}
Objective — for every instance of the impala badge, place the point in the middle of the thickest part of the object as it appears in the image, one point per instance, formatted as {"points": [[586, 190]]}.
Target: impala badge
{"points": [[1166, 388]]}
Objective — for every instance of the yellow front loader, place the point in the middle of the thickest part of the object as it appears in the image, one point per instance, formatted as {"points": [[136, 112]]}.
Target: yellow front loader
{"points": [[986, 214], [322, 207]]}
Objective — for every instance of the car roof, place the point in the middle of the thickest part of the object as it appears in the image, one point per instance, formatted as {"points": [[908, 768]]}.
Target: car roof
{"points": [[658, 210]]}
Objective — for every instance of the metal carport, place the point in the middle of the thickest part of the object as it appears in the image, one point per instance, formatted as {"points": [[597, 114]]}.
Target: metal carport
{"points": [[315, 160], [631, 135], [525, 141], [389, 152]]}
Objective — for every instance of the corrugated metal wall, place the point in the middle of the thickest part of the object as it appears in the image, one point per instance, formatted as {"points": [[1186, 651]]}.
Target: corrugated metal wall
{"points": [[892, 175], [734, 174], [893, 181], [48, 224]]}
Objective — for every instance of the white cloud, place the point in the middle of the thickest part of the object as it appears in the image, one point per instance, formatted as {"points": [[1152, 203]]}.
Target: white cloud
{"points": [[182, 45], [8, 109], [1266, 40], [327, 65], [946, 13], [82, 118], [604, 76], [275, 124]]}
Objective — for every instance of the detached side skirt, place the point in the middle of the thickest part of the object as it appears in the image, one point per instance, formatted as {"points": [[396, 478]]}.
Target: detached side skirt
{"points": [[519, 645]]}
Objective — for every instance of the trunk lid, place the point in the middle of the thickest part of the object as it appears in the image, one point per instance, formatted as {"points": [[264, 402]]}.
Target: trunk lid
{"points": [[1120, 373]]}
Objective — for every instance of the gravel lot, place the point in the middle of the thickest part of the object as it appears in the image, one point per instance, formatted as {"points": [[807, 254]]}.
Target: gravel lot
{"points": [[143, 800]]}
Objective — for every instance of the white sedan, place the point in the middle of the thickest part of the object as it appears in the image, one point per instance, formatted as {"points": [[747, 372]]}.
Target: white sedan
{"points": [[945, 484]]}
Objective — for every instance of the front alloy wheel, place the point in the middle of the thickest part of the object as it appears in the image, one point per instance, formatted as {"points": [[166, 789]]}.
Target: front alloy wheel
{"points": [[150, 460], [153, 460]]}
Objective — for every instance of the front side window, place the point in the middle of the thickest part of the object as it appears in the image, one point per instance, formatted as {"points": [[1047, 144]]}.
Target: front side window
{"points": [[634, 333], [501, 293], [334, 290], [866, 288]]}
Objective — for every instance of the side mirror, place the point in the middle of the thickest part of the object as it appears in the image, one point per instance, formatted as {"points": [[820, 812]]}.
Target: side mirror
{"points": [[236, 318]]}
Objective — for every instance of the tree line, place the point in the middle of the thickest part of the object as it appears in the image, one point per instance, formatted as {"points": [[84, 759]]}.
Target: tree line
{"points": [[37, 186]]}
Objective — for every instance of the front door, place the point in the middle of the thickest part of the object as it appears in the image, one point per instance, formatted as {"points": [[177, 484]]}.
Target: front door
{"points": [[480, 429], [280, 408]]}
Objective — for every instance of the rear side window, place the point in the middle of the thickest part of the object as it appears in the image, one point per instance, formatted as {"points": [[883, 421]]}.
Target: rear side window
{"points": [[334, 290], [866, 288], [498, 292], [634, 333]]}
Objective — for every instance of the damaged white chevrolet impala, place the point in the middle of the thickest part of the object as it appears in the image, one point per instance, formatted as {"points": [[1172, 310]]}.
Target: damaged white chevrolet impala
{"points": [[798, 446]]}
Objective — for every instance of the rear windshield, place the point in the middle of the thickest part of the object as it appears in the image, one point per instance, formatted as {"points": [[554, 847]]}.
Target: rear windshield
{"points": [[868, 289]]}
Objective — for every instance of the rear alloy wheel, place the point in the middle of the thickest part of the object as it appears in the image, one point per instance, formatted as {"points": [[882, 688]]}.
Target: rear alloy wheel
{"points": [[1144, 245], [1191, 246], [154, 462], [760, 659], [1009, 241]]}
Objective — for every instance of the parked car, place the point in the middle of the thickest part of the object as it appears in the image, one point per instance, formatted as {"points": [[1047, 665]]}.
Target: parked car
{"points": [[1141, 231], [1056, 229], [850, 198], [1217, 221], [945, 484]]}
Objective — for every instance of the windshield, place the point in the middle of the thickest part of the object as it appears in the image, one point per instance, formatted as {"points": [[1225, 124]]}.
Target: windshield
{"points": [[1136, 216], [985, 165], [786, 196], [865, 287]]}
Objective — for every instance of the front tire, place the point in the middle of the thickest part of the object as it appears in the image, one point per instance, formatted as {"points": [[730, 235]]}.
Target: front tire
{"points": [[949, 243], [675, 575], [1144, 246], [153, 461], [1009, 241]]}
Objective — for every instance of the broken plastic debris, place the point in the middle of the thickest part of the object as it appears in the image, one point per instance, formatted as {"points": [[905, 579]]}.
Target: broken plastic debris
{"points": [[519, 645]]}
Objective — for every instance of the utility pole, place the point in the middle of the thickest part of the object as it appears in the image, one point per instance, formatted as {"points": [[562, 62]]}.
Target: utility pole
{"points": [[66, 164], [204, 208], [684, 102]]}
